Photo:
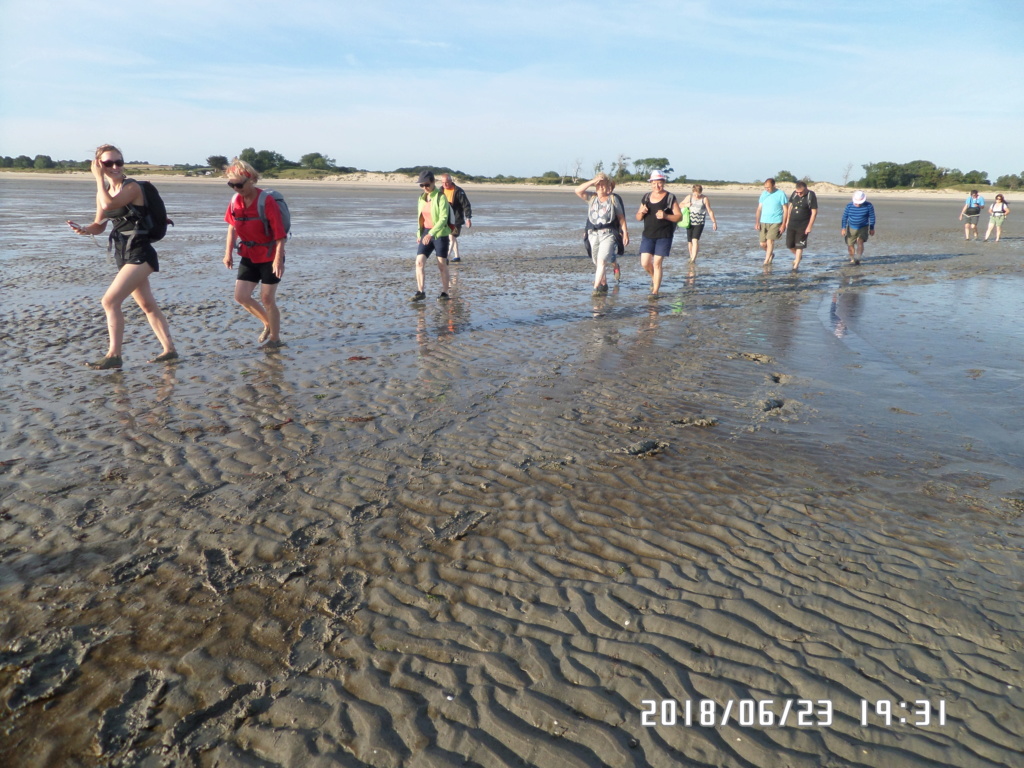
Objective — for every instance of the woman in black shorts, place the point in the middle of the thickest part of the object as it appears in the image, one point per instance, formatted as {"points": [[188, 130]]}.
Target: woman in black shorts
{"points": [[121, 200], [700, 207], [260, 242]]}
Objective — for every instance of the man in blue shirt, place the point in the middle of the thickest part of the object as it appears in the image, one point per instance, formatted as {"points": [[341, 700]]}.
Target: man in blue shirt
{"points": [[771, 218], [972, 209], [858, 224]]}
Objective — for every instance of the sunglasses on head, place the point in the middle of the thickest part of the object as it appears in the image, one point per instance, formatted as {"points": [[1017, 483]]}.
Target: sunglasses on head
{"points": [[112, 163], [237, 184]]}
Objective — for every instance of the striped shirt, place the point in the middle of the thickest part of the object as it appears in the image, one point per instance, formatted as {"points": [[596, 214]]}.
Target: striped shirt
{"points": [[857, 216]]}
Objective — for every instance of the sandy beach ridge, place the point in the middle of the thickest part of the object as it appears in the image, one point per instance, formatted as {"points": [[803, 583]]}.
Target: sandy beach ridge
{"points": [[392, 180]]}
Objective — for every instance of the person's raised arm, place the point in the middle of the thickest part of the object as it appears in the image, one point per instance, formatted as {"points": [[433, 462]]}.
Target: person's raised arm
{"points": [[581, 190]]}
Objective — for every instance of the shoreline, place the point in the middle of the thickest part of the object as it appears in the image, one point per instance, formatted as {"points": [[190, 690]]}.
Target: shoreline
{"points": [[391, 181]]}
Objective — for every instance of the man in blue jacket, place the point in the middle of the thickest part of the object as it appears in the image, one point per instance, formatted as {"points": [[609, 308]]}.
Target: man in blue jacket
{"points": [[858, 224]]}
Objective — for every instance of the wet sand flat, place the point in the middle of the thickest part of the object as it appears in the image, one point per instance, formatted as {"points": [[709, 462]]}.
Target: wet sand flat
{"points": [[490, 531]]}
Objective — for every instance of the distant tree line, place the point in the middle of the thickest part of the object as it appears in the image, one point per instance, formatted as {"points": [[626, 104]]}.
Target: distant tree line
{"points": [[44, 162], [927, 175], [884, 175], [268, 161]]}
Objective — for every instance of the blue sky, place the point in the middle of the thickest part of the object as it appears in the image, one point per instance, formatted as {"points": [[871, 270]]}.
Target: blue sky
{"points": [[734, 90]]}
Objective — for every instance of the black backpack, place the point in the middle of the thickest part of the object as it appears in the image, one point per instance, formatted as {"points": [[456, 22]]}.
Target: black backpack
{"points": [[156, 220]]}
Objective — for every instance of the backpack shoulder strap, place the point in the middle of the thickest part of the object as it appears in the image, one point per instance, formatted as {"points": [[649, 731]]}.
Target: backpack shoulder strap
{"points": [[261, 209]]}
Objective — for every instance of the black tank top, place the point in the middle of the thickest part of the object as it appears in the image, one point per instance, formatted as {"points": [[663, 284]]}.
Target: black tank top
{"points": [[655, 228]]}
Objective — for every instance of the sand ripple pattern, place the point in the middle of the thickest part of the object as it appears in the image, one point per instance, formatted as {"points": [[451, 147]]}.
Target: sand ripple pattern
{"points": [[413, 537]]}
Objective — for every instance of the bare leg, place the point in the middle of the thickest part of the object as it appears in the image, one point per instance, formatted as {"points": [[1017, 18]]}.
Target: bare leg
{"points": [[421, 259], [455, 248], [143, 296], [694, 246], [991, 226], [243, 295], [442, 265], [798, 253], [268, 295], [647, 262], [129, 279], [769, 251], [656, 276]]}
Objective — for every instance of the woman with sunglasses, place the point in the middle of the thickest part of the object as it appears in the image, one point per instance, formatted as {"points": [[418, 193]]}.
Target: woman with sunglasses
{"points": [[260, 247], [122, 201], [997, 212]]}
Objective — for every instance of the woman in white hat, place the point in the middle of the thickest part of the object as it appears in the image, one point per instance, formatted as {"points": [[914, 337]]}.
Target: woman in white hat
{"points": [[659, 211]]}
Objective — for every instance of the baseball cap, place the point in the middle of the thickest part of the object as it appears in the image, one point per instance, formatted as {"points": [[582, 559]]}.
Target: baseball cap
{"points": [[426, 177]]}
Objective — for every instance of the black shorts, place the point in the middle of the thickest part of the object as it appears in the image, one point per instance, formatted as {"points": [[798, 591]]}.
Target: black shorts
{"points": [[694, 232], [438, 244], [456, 231], [796, 234], [144, 255], [257, 273]]}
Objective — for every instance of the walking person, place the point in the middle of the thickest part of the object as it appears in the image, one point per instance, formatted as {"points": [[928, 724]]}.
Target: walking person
{"points": [[803, 210], [972, 210], [771, 218], [700, 209], [260, 242], [858, 224], [604, 216], [659, 211], [461, 212], [432, 233], [997, 212], [122, 201]]}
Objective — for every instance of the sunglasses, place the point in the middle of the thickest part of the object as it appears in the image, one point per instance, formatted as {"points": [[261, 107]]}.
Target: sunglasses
{"points": [[237, 184], [112, 163], [426, 186]]}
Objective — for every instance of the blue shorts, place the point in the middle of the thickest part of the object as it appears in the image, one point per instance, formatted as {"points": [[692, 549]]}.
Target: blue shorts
{"points": [[439, 243], [659, 247]]}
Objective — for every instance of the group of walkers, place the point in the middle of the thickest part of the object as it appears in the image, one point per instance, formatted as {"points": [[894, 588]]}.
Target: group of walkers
{"points": [[258, 230], [777, 214], [607, 233], [973, 206]]}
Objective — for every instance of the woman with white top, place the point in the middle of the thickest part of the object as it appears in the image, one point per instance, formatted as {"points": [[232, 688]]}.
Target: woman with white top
{"points": [[700, 207], [998, 212]]}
